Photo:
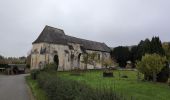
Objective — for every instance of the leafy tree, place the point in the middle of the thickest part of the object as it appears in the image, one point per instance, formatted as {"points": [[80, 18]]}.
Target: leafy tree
{"points": [[148, 47], [108, 62], [121, 55], [2, 60], [1, 57], [151, 65], [166, 47], [133, 54], [143, 48], [164, 74], [156, 46], [28, 61]]}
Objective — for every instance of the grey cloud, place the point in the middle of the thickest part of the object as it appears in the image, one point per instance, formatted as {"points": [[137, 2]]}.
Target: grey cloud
{"points": [[115, 22]]}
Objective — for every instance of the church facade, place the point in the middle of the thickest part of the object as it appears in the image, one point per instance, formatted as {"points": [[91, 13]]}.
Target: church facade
{"points": [[53, 44]]}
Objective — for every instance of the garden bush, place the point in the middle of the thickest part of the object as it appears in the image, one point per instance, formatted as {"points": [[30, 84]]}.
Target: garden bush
{"points": [[107, 73], [164, 74], [28, 66], [124, 76], [168, 81], [34, 74], [58, 88]]}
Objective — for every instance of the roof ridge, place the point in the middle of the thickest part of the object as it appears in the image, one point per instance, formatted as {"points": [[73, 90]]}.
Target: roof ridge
{"points": [[86, 39], [47, 26]]}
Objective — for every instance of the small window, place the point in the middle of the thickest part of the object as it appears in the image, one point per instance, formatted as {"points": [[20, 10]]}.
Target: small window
{"points": [[42, 50]]}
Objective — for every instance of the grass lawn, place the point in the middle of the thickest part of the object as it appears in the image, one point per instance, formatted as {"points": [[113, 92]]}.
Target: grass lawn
{"points": [[128, 87], [38, 93]]}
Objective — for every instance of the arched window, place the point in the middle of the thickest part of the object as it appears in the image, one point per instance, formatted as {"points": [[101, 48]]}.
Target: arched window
{"points": [[79, 59], [56, 60]]}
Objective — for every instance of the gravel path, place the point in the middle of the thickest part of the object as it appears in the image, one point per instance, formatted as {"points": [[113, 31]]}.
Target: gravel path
{"points": [[13, 87]]}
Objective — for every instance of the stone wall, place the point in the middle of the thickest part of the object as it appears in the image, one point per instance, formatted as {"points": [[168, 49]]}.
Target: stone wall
{"points": [[47, 56], [100, 56], [70, 56]]}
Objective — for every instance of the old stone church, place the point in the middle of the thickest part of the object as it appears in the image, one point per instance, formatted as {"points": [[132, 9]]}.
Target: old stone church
{"points": [[53, 43]]}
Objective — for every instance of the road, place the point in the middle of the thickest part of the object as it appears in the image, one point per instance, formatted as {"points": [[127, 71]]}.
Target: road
{"points": [[13, 87]]}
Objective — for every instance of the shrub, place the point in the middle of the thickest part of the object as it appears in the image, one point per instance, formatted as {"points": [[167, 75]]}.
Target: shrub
{"points": [[124, 76], [58, 88], [163, 75], [28, 66], [108, 62], [107, 73], [151, 65], [169, 81], [50, 67], [34, 73]]}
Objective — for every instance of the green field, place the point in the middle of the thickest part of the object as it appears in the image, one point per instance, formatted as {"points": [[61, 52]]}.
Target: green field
{"points": [[129, 87]]}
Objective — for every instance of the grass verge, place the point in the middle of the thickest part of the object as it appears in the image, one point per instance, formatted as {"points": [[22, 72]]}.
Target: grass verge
{"points": [[38, 93]]}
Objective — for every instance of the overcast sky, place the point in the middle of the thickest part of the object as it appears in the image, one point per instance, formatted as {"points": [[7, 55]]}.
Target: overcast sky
{"points": [[115, 22]]}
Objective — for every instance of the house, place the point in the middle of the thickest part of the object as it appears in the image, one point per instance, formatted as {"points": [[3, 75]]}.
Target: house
{"points": [[53, 44]]}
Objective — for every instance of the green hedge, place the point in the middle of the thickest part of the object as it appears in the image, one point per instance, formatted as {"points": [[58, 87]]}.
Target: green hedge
{"points": [[34, 73], [58, 88]]}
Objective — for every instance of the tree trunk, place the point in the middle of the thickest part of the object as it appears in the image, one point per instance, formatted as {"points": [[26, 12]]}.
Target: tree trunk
{"points": [[138, 76], [154, 77]]}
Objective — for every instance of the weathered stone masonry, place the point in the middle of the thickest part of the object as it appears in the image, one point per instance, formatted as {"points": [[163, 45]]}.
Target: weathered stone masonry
{"points": [[69, 50]]}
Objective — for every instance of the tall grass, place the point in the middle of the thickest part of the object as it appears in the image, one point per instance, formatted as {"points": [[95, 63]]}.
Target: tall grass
{"points": [[38, 93], [58, 88]]}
